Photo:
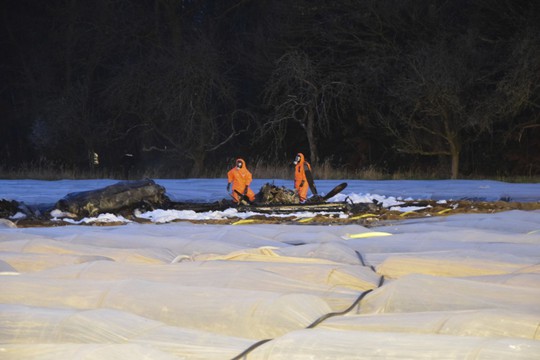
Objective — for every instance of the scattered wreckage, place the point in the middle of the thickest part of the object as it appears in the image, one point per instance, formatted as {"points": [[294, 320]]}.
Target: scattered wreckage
{"points": [[124, 197]]}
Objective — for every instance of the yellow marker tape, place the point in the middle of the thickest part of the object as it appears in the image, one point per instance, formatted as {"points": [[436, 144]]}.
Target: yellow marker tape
{"points": [[444, 211], [362, 216], [244, 221], [368, 234], [304, 220], [407, 213]]}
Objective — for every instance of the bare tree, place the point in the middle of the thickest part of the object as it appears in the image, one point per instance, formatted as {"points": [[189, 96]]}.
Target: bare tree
{"points": [[70, 124], [517, 101], [439, 100], [519, 88], [182, 101], [301, 93]]}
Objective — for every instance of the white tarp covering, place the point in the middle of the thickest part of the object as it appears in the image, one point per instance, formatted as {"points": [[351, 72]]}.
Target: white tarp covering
{"points": [[456, 287], [349, 345]]}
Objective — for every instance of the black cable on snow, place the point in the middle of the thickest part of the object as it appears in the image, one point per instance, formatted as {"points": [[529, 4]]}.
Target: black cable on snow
{"points": [[361, 258], [323, 317], [250, 349], [329, 315], [353, 305]]}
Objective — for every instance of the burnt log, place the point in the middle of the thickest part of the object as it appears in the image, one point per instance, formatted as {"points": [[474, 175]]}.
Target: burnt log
{"points": [[124, 195], [8, 208]]}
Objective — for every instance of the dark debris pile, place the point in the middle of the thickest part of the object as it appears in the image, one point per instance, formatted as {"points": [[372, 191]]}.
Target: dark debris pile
{"points": [[123, 198]]}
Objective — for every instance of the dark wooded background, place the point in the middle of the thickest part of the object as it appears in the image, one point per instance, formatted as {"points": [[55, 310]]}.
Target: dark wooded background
{"points": [[190, 85]]}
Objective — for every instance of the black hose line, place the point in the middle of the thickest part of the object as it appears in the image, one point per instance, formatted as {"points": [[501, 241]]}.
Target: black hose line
{"points": [[250, 349], [323, 317], [332, 314]]}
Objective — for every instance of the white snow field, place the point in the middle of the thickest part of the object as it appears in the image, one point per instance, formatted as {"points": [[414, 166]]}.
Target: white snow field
{"points": [[449, 287]]}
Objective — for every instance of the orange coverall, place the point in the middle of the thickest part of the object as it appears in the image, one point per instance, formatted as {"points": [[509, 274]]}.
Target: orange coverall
{"points": [[300, 181], [240, 177]]}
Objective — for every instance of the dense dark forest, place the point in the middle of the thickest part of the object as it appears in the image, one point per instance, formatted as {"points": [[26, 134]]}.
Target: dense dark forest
{"points": [[451, 85]]}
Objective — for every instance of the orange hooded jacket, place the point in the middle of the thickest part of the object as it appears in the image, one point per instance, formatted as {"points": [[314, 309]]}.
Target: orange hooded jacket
{"points": [[241, 178], [300, 181]]}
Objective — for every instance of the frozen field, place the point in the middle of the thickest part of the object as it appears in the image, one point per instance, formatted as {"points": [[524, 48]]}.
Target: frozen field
{"points": [[454, 287]]}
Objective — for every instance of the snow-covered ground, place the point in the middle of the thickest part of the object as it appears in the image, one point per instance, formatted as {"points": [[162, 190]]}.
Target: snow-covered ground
{"points": [[450, 287], [207, 190], [389, 193]]}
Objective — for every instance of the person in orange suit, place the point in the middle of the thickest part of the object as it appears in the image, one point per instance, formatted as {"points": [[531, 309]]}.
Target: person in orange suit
{"points": [[240, 177], [300, 180]]}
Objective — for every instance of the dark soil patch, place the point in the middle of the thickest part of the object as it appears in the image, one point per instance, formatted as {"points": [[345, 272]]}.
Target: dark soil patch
{"points": [[368, 218]]}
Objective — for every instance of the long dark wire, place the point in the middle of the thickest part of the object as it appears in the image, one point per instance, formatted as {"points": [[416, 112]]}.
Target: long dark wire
{"points": [[323, 317]]}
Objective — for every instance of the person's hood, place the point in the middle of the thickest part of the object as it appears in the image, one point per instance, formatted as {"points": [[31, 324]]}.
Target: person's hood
{"points": [[301, 156], [242, 161]]}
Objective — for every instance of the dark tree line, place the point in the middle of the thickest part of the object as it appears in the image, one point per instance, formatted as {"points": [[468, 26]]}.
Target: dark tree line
{"points": [[190, 84]]}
